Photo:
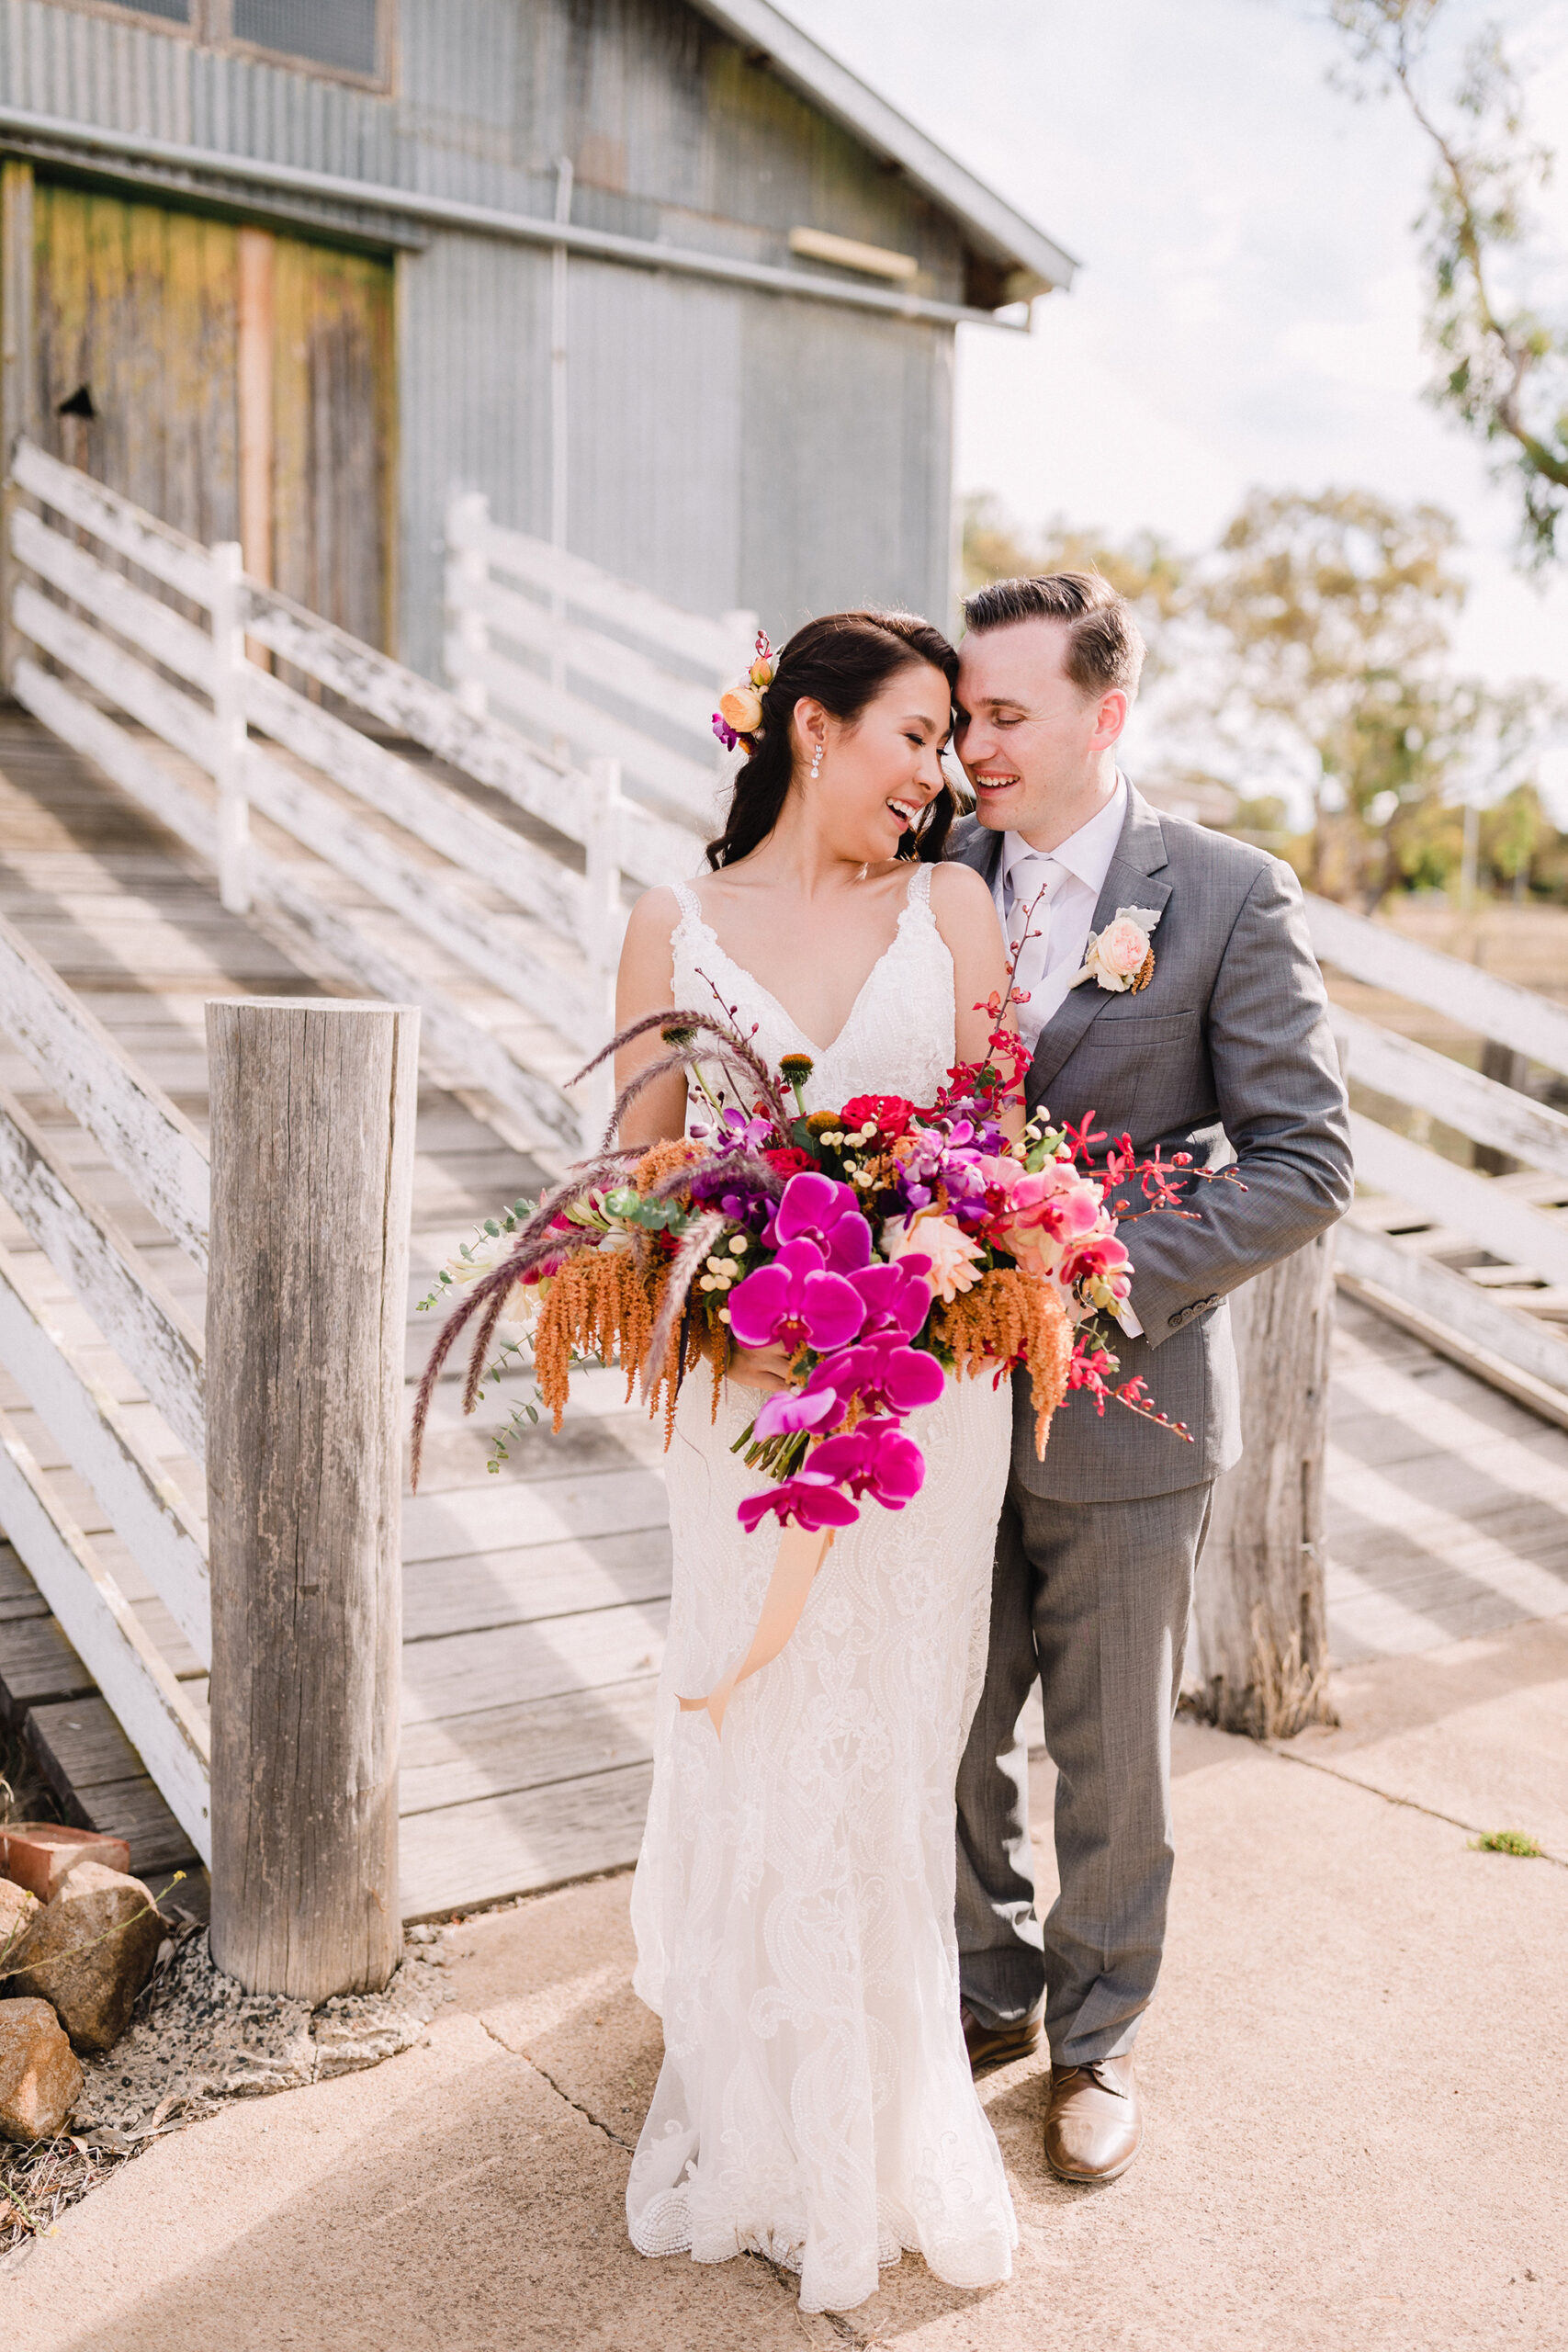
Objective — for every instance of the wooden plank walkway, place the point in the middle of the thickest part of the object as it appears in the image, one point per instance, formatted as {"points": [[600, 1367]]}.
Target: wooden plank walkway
{"points": [[534, 1601]]}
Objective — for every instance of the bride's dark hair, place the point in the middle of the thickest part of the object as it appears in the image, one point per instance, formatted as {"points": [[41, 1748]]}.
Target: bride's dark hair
{"points": [[841, 661]]}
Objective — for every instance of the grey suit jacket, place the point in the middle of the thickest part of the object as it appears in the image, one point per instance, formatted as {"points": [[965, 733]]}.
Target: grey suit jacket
{"points": [[1227, 1052]]}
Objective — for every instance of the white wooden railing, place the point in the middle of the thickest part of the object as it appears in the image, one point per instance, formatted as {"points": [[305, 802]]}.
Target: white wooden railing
{"points": [[257, 746], [1478, 1264], [588, 663], [156, 1148], [187, 716]]}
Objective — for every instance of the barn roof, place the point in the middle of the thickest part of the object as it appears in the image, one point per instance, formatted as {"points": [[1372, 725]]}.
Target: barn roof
{"points": [[1024, 255]]}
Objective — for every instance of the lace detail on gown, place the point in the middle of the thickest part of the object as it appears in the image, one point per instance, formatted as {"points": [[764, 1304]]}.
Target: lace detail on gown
{"points": [[794, 1898]]}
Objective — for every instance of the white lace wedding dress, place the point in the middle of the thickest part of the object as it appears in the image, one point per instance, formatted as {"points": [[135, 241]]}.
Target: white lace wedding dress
{"points": [[794, 1899]]}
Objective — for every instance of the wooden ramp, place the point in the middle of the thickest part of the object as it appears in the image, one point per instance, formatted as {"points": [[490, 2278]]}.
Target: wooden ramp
{"points": [[534, 1605]]}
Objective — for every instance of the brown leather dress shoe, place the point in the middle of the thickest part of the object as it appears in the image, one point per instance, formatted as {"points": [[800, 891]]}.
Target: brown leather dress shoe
{"points": [[1093, 2125], [997, 2045]]}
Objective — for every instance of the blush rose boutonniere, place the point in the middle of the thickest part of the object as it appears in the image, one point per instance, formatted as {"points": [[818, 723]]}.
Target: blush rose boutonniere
{"points": [[1121, 958]]}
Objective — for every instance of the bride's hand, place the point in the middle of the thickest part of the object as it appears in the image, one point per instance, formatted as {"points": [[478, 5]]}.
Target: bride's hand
{"points": [[760, 1367]]}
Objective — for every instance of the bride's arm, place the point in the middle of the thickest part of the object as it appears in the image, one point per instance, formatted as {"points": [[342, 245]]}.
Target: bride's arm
{"points": [[965, 915], [644, 984]]}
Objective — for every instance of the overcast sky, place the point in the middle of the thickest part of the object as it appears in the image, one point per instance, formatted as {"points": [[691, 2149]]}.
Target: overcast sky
{"points": [[1249, 307]]}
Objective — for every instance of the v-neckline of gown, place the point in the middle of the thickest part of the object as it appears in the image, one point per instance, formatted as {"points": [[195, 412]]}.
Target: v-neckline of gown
{"points": [[782, 1011]]}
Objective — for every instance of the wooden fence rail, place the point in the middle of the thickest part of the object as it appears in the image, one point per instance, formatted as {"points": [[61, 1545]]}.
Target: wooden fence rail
{"points": [[587, 661], [195, 690], [1508, 1232]]}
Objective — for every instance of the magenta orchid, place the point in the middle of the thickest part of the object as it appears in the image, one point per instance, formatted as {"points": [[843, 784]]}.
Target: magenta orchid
{"points": [[789, 1409], [812, 1499], [897, 1297], [815, 1208], [887, 1376], [795, 1302], [874, 1458]]}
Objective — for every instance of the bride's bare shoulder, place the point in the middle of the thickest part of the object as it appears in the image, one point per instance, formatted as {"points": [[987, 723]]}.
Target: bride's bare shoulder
{"points": [[960, 896]]}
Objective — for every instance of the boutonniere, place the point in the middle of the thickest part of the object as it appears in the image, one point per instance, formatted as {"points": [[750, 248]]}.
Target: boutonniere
{"points": [[1121, 958]]}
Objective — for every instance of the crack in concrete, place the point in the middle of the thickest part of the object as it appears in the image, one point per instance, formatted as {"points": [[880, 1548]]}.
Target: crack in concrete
{"points": [[1412, 1804], [840, 2327], [546, 2076]]}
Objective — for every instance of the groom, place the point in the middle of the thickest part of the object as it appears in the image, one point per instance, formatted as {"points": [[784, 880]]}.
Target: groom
{"points": [[1225, 1051]]}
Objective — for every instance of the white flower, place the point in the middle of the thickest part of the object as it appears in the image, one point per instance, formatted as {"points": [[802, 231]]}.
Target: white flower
{"points": [[1116, 956], [951, 1253]]}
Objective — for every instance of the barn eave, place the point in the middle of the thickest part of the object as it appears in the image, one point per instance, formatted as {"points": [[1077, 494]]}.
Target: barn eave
{"points": [[1011, 260]]}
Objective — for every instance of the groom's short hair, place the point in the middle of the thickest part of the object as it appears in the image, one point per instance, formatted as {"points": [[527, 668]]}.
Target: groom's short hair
{"points": [[1105, 646]]}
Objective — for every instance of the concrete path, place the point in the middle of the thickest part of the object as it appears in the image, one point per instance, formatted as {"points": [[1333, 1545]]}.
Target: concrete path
{"points": [[1355, 2075]]}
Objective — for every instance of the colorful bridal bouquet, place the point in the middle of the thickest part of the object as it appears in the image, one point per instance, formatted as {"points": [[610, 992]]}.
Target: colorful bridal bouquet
{"points": [[883, 1246]]}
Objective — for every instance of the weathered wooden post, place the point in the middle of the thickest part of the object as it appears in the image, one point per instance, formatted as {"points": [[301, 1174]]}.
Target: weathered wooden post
{"points": [[312, 1176], [1262, 1640]]}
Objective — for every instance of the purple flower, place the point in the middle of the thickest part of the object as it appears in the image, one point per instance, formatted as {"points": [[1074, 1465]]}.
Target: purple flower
{"points": [[874, 1458], [788, 1410], [795, 1302], [815, 1209], [743, 1202], [810, 1500], [896, 1299], [726, 733], [886, 1376], [738, 1133]]}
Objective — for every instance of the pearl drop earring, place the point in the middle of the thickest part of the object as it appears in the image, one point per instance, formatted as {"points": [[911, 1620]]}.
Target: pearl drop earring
{"points": [[816, 763]]}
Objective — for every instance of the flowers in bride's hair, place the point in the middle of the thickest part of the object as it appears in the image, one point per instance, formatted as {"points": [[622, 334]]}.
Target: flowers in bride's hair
{"points": [[742, 708], [739, 718], [953, 1259]]}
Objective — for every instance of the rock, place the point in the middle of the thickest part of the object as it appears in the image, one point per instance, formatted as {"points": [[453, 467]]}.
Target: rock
{"points": [[90, 1950], [40, 2078], [38, 1854], [18, 1907]]}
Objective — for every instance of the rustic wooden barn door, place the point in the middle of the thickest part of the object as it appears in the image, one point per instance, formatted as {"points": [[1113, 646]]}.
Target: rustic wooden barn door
{"points": [[237, 383]]}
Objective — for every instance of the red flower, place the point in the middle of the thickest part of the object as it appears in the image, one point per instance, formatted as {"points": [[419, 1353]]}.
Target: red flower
{"points": [[789, 1160], [889, 1113]]}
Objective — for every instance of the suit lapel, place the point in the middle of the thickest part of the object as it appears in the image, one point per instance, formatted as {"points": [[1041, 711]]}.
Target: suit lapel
{"points": [[980, 848], [1129, 882]]}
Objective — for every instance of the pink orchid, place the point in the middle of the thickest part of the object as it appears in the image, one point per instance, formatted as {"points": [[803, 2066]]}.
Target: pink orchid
{"points": [[789, 1409], [886, 1376], [811, 1500], [874, 1458], [897, 1297], [815, 1209], [794, 1302]]}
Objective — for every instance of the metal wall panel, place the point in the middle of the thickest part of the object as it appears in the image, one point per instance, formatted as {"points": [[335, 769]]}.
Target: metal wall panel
{"points": [[846, 463], [474, 407], [657, 432]]}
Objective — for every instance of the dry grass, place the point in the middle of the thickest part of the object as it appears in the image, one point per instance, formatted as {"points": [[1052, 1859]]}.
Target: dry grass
{"points": [[40, 2182]]}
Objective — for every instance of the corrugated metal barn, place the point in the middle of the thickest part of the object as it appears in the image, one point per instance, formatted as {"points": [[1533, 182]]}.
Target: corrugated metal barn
{"points": [[662, 279]]}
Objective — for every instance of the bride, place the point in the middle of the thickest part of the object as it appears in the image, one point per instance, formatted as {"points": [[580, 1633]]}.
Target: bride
{"points": [[794, 1899]]}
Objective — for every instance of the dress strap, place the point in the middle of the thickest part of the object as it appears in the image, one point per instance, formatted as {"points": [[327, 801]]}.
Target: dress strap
{"points": [[686, 898], [919, 890]]}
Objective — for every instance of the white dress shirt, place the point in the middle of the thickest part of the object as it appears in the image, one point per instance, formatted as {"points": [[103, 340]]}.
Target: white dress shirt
{"points": [[1047, 898], [1054, 894]]}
